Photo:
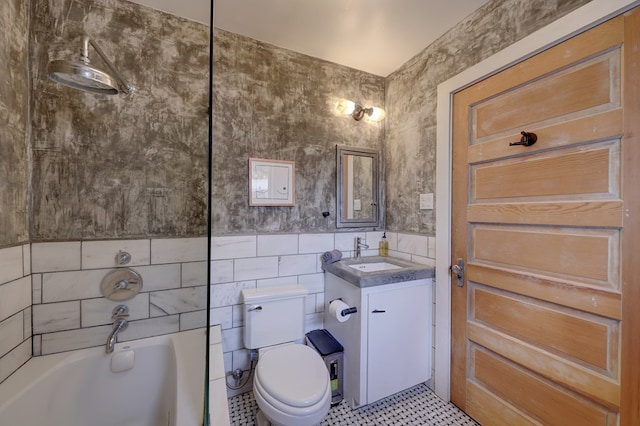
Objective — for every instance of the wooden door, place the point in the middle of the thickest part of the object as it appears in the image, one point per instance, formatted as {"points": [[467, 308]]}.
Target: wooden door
{"points": [[546, 328]]}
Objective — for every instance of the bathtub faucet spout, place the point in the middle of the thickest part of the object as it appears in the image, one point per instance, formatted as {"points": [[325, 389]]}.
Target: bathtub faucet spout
{"points": [[118, 316], [118, 326]]}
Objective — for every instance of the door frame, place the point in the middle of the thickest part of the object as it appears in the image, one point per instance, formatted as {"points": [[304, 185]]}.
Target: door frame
{"points": [[581, 19]]}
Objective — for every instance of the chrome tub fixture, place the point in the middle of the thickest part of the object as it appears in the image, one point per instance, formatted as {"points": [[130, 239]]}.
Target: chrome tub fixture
{"points": [[119, 314]]}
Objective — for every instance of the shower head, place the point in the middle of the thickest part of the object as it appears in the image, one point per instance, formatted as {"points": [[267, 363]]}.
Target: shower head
{"points": [[82, 76]]}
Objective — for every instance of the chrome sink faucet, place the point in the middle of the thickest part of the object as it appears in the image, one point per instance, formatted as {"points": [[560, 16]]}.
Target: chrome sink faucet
{"points": [[359, 246], [119, 314]]}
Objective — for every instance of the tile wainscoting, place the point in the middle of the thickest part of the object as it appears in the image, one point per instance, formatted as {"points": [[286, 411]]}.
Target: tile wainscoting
{"points": [[50, 297], [70, 313], [15, 308], [218, 405], [254, 261]]}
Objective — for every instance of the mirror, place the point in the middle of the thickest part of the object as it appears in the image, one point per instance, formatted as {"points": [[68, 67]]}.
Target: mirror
{"points": [[357, 195]]}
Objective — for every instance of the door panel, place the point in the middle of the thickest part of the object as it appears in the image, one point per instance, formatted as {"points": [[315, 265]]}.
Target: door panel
{"points": [[544, 364], [600, 126], [588, 339], [581, 255], [607, 213], [552, 404], [586, 85], [542, 329], [589, 299], [570, 174]]}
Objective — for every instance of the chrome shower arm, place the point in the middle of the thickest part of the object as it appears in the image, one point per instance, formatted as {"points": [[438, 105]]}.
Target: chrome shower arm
{"points": [[127, 88]]}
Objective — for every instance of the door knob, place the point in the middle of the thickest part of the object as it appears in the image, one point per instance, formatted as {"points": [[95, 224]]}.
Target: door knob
{"points": [[458, 269]]}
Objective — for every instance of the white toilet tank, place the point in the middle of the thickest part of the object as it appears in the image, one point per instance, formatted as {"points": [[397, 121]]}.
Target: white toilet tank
{"points": [[273, 315]]}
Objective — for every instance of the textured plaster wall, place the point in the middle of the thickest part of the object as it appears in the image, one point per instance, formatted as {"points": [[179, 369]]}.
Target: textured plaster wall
{"points": [[277, 104], [14, 121], [119, 166], [411, 93]]}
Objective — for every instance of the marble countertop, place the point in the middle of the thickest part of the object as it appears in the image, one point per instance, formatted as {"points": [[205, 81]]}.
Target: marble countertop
{"points": [[409, 271]]}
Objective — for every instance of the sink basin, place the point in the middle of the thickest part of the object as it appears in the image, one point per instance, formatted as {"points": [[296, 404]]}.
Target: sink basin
{"points": [[377, 270], [374, 267]]}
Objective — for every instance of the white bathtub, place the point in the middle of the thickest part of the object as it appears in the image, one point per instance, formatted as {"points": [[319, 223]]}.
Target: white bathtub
{"points": [[164, 387]]}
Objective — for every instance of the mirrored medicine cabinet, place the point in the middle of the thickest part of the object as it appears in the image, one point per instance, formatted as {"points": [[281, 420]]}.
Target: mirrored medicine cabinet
{"points": [[358, 187]]}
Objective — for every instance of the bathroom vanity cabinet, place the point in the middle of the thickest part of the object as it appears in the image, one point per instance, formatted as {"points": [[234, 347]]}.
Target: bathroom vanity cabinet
{"points": [[387, 342]]}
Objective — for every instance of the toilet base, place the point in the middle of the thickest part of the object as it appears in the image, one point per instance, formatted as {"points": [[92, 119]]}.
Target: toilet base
{"points": [[261, 420]]}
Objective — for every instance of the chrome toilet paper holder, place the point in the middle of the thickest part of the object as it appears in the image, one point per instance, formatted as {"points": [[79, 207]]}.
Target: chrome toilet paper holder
{"points": [[347, 311]]}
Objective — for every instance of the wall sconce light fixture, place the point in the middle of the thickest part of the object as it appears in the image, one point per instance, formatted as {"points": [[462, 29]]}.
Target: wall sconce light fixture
{"points": [[356, 111]]}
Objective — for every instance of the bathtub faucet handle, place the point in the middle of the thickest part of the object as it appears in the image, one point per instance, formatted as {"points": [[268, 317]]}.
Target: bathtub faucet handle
{"points": [[120, 312], [123, 257], [122, 284]]}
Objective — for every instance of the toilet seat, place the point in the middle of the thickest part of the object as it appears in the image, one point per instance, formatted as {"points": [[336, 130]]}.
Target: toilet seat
{"points": [[291, 385], [284, 409], [293, 374]]}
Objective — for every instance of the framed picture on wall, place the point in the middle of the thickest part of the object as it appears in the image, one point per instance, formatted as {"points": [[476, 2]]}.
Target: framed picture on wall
{"points": [[271, 182]]}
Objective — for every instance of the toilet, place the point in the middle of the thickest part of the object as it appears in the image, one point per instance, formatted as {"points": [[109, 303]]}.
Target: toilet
{"points": [[291, 382]]}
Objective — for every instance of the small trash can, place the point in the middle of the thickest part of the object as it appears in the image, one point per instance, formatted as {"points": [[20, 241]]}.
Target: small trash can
{"points": [[332, 353]]}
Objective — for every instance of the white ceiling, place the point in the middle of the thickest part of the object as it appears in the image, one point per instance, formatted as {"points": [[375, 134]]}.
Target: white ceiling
{"points": [[376, 36]]}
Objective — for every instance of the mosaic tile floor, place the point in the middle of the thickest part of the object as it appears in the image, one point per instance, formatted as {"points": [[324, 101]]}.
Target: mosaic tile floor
{"points": [[415, 406]]}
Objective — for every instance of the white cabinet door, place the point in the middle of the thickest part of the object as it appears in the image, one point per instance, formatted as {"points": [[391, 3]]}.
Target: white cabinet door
{"points": [[399, 322]]}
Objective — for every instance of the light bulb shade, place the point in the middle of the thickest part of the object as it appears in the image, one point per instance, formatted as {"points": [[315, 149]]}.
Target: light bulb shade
{"points": [[376, 114], [345, 106]]}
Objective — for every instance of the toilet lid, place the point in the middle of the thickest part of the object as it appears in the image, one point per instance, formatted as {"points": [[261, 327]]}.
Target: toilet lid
{"points": [[293, 374]]}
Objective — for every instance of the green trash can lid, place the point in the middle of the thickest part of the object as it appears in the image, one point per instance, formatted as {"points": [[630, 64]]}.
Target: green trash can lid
{"points": [[324, 342]]}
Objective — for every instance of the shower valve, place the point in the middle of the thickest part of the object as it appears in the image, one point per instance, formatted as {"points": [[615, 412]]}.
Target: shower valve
{"points": [[120, 312], [123, 257]]}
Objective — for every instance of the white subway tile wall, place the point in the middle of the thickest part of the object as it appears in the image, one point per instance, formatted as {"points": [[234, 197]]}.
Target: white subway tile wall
{"points": [[52, 317], [413, 244], [297, 264], [276, 245], [54, 288], [69, 340], [11, 264], [15, 359], [221, 271], [346, 242], [69, 311], [98, 311], [15, 296], [279, 259], [178, 250], [26, 259], [50, 257], [101, 254], [12, 332], [255, 267], [15, 308], [315, 243], [233, 247], [194, 274], [218, 406], [151, 327]]}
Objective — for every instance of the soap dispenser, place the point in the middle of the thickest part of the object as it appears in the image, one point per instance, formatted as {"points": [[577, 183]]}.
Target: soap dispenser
{"points": [[383, 245]]}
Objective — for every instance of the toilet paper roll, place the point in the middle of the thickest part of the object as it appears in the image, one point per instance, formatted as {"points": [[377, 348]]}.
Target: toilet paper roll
{"points": [[335, 310]]}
